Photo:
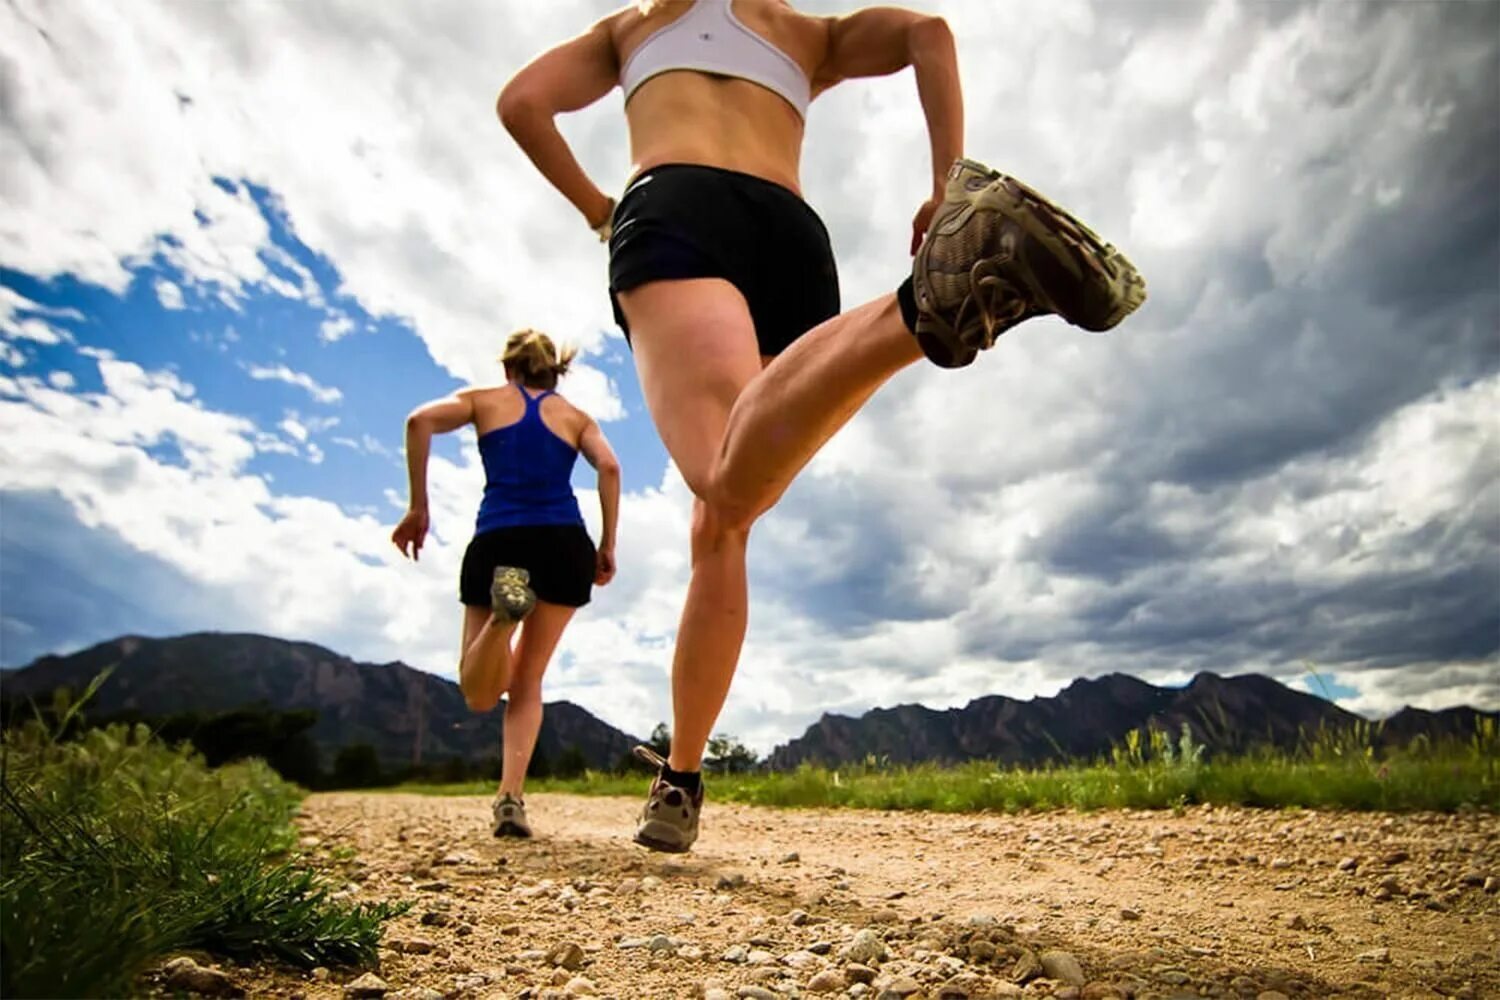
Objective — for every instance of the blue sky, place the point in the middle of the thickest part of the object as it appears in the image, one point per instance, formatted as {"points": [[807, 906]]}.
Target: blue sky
{"points": [[237, 248]]}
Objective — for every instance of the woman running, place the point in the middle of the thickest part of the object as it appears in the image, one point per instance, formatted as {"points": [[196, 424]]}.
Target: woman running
{"points": [[724, 280], [531, 563]]}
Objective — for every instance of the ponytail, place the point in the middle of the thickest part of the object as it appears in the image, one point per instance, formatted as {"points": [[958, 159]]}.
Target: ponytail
{"points": [[531, 356]]}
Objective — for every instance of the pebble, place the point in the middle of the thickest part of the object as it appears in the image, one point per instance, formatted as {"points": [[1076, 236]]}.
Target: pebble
{"points": [[579, 986], [715, 993], [899, 988], [660, 942], [797, 918], [800, 960], [1347, 864], [730, 881], [1492, 885], [1378, 955], [1296, 922], [790, 857], [734, 953], [1062, 965], [1027, 967], [367, 985], [866, 948], [827, 981], [760, 957], [755, 993], [415, 993], [1126, 913], [565, 954], [858, 973], [187, 975]]}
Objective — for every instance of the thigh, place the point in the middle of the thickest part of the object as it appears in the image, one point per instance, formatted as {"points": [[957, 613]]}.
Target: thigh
{"points": [[695, 351], [474, 622], [538, 637]]}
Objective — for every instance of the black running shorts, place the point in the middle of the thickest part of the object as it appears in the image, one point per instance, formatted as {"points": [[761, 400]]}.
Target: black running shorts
{"points": [[688, 221], [559, 557]]}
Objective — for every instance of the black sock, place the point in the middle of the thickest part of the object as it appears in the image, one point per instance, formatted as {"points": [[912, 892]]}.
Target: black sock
{"points": [[688, 781], [906, 297]]}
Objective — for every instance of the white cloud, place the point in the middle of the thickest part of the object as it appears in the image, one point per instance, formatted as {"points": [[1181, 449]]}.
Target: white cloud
{"points": [[281, 373], [61, 380], [168, 294], [1286, 428], [23, 319], [336, 327]]}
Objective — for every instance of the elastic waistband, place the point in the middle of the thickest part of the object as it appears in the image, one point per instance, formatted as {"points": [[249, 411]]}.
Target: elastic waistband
{"points": [[723, 173]]}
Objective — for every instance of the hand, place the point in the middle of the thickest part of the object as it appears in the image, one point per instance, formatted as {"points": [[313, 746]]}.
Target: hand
{"points": [[604, 566], [922, 220], [605, 227], [411, 531]]}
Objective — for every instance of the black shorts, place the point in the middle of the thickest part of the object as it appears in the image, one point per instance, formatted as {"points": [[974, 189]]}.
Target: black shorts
{"points": [[687, 221], [559, 557]]}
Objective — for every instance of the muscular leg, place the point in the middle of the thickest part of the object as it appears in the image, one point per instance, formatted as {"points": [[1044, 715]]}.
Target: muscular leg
{"points": [[484, 666], [739, 435], [695, 351], [523, 703], [801, 400]]}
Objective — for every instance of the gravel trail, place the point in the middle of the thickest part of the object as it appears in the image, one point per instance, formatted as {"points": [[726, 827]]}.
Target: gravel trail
{"points": [[776, 903]]}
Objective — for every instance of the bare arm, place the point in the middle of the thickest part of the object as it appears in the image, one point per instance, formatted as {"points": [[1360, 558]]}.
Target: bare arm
{"points": [[571, 76], [878, 41], [596, 450], [436, 417]]}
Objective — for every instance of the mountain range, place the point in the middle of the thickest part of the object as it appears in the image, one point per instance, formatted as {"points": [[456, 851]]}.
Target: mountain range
{"points": [[410, 716]]}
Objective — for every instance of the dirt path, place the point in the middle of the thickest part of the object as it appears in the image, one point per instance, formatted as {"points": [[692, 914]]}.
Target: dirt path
{"points": [[1212, 903]]}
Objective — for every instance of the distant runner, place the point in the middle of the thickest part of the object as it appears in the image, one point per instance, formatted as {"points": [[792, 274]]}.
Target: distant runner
{"points": [[531, 563], [724, 280]]}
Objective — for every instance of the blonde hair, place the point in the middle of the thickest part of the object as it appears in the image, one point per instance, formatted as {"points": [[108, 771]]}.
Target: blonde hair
{"points": [[646, 7], [531, 356]]}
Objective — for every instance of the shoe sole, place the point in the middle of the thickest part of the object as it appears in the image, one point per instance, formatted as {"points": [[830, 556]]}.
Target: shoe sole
{"points": [[511, 601], [664, 846], [1097, 292], [512, 830]]}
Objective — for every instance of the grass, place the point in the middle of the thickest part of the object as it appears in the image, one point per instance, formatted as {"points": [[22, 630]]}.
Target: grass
{"points": [[1154, 771], [116, 850]]}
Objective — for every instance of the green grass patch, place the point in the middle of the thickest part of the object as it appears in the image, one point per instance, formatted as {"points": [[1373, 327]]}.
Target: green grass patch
{"points": [[116, 850], [1155, 772]]}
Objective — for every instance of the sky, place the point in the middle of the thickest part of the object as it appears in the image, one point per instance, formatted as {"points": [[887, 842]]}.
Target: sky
{"points": [[240, 241]]}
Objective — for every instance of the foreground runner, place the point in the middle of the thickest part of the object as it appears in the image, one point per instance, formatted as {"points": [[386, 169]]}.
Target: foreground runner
{"points": [[531, 560], [724, 279]]}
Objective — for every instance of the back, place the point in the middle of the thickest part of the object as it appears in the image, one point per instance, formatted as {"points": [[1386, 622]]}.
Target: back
{"points": [[528, 442], [688, 117]]}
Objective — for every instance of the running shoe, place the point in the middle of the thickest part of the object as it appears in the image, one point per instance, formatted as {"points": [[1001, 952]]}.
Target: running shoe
{"points": [[669, 821], [511, 597], [997, 253], [510, 817]]}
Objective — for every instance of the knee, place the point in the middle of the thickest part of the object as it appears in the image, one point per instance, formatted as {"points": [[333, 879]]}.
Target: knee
{"points": [[481, 701], [717, 523]]}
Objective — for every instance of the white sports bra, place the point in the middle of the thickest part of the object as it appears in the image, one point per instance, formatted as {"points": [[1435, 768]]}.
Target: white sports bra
{"points": [[710, 39]]}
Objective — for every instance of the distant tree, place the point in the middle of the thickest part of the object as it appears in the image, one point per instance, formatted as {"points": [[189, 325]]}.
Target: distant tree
{"points": [[661, 739], [540, 766], [356, 766], [571, 763], [727, 755]]}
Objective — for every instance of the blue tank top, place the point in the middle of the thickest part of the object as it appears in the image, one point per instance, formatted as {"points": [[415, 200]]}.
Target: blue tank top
{"points": [[527, 473]]}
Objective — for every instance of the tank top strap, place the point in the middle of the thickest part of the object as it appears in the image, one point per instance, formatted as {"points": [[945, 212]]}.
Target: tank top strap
{"points": [[533, 403]]}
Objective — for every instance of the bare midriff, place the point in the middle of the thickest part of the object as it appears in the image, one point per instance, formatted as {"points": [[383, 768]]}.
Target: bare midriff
{"points": [[685, 116]]}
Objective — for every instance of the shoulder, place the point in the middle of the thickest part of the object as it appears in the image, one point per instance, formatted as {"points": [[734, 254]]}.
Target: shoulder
{"points": [[480, 393], [565, 405]]}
